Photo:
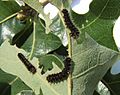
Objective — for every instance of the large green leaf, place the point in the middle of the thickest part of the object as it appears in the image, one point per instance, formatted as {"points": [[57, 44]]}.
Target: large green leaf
{"points": [[91, 63], [99, 21], [36, 82]]}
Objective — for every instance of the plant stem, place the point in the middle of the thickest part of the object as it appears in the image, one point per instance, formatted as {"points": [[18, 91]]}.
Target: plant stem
{"points": [[69, 80], [9, 17], [70, 55], [33, 42]]}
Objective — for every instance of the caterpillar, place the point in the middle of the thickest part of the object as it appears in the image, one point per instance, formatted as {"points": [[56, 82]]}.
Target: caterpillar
{"points": [[74, 31], [25, 13], [63, 75], [27, 64]]}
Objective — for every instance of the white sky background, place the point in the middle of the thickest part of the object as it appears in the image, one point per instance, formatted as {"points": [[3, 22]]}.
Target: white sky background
{"points": [[82, 7], [116, 34]]}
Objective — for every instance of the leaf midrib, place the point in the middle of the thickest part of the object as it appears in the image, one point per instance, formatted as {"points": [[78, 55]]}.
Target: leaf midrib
{"points": [[97, 16]]}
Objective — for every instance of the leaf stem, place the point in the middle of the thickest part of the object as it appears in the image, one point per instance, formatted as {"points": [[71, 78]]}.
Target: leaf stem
{"points": [[69, 80], [69, 45], [7, 18], [33, 42], [70, 55]]}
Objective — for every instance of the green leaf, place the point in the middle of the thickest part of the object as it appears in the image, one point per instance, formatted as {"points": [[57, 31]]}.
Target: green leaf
{"points": [[92, 61], [67, 3], [58, 29], [96, 93], [57, 3], [8, 8], [9, 25], [20, 37], [99, 21], [102, 89], [35, 4], [17, 68], [40, 43], [112, 82], [10, 85], [47, 60], [9, 28], [26, 92], [3, 90], [48, 22]]}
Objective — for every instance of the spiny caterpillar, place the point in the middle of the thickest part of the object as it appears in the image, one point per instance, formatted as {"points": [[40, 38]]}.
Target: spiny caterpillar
{"points": [[27, 64], [74, 31], [63, 75]]}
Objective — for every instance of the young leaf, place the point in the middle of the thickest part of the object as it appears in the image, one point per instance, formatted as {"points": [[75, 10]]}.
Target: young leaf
{"points": [[92, 61]]}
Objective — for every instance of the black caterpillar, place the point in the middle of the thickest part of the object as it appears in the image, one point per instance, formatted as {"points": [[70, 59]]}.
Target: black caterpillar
{"points": [[28, 65], [63, 75], [74, 31]]}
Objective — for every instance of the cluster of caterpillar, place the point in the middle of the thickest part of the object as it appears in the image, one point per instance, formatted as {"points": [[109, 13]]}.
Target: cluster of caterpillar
{"points": [[27, 64], [63, 75], [60, 76], [53, 78], [74, 31]]}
